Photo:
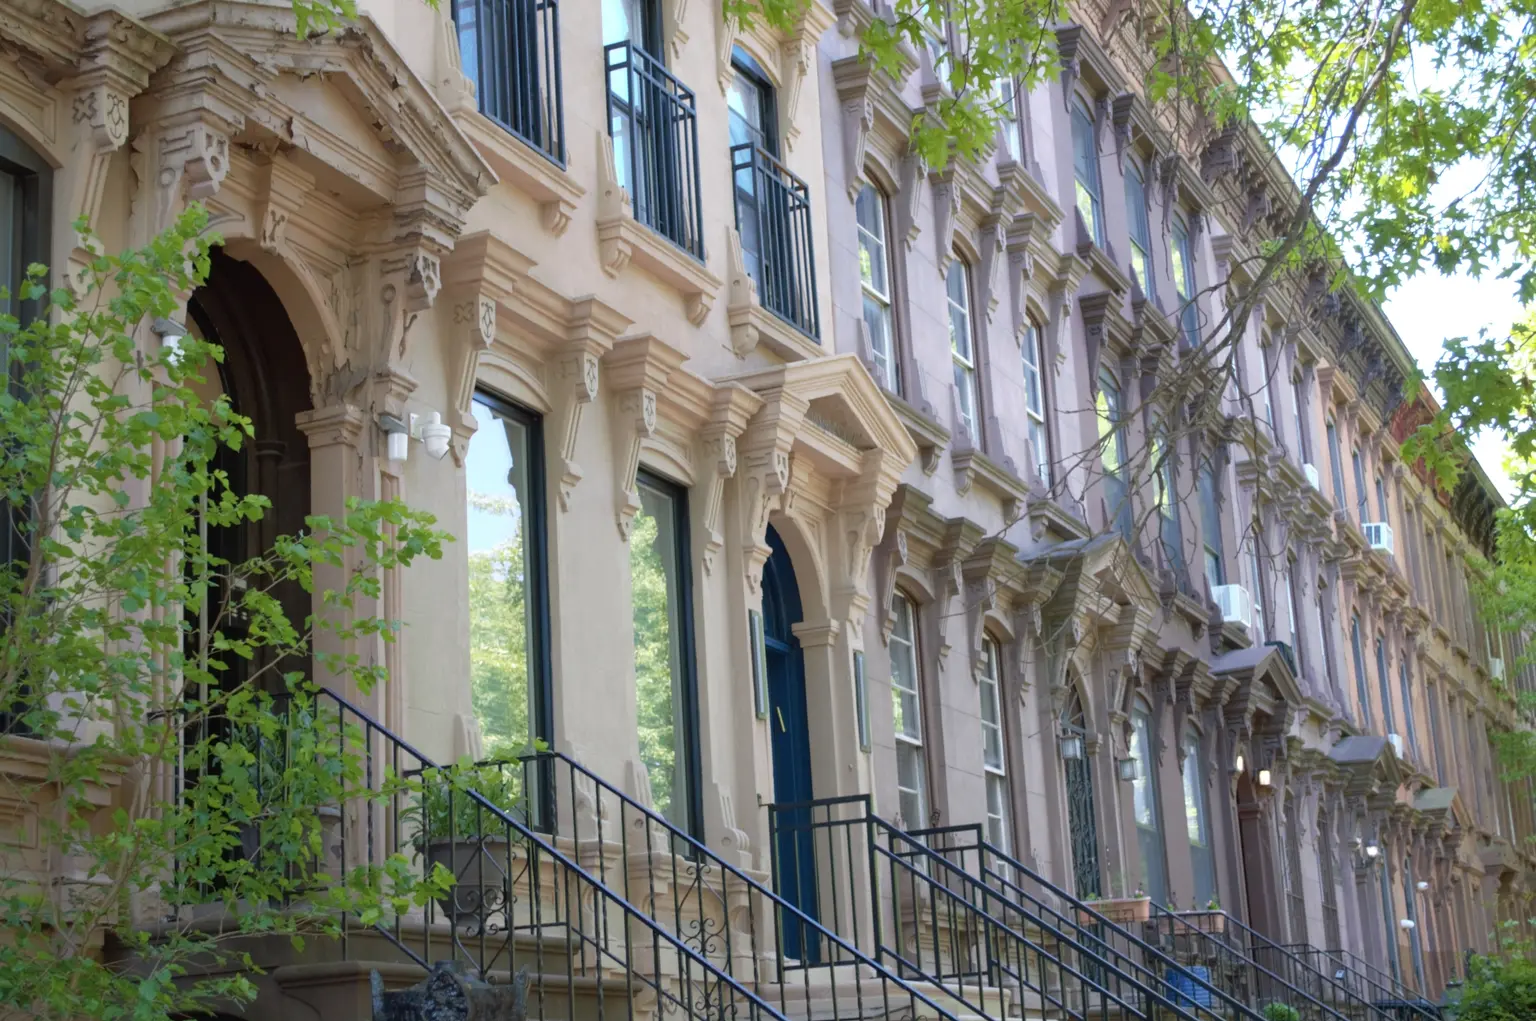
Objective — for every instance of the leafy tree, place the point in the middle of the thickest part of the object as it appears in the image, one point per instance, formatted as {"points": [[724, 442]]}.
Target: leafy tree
{"points": [[498, 635], [1500, 986], [186, 766], [655, 659]]}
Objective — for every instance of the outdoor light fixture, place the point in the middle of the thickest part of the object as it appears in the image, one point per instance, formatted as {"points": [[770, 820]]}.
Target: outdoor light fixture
{"points": [[1126, 768], [1406, 923], [171, 334], [428, 428], [1265, 780], [1238, 764], [1371, 850], [1071, 746], [1423, 885]]}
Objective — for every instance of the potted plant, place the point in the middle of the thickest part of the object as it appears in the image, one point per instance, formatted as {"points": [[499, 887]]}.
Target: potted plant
{"points": [[1211, 919], [1131, 910], [1280, 1012], [459, 821]]}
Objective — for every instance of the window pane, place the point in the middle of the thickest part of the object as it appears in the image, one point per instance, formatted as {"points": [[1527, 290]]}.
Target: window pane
{"points": [[991, 709], [1194, 792], [1008, 118], [656, 576], [997, 812], [874, 274], [958, 285], [1141, 787], [904, 696], [1085, 166], [1140, 229], [911, 784], [503, 574]]}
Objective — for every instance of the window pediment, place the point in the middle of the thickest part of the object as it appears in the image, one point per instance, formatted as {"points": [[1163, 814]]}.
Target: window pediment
{"points": [[876, 121]]}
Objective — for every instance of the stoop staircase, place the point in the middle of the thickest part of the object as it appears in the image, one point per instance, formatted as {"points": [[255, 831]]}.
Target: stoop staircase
{"points": [[1369, 981]]}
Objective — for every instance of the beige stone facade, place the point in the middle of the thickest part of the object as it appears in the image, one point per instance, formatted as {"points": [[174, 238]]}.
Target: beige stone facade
{"points": [[687, 345]]}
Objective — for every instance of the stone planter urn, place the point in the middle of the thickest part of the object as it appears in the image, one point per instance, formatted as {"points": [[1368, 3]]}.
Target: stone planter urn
{"points": [[484, 869]]}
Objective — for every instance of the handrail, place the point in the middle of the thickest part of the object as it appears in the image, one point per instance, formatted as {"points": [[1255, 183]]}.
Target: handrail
{"points": [[1390, 989], [578, 915], [688, 885], [1111, 957], [1247, 951]]}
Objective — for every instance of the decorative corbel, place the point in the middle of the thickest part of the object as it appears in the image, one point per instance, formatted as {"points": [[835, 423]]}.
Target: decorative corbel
{"points": [[858, 120], [980, 599], [474, 326], [613, 208], [766, 481], [1021, 269], [795, 57], [725, 44], [741, 298], [1168, 184], [578, 379], [991, 239], [948, 583], [283, 190], [1120, 121], [720, 453], [1068, 38], [188, 160], [913, 170], [675, 15], [1028, 629], [890, 563], [862, 524], [946, 211], [634, 423]]}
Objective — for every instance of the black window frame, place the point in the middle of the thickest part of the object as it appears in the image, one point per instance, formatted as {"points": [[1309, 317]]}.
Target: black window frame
{"points": [[688, 649], [743, 63]]}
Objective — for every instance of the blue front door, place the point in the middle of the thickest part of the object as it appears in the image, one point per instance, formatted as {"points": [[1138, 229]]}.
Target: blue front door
{"points": [[794, 855]]}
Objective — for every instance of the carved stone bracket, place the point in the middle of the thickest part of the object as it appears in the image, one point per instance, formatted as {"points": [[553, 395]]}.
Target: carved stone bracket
{"points": [[720, 461], [474, 330], [1068, 39], [766, 481], [991, 241], [578, 373], [913, 169], [946, 213], [893, 556], [634, 423]]}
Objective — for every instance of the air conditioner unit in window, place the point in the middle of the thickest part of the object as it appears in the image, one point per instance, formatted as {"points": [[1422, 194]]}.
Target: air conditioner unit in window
{"points": [[1310, 471], [1496, 668], [1235, 603], [1396, 741], [1378, 535]]}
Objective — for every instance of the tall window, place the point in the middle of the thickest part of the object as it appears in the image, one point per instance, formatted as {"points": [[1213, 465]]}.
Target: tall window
{"points": [[1141, 230], [1210, 527], [1293, 606], [1008, 119], [1432, 696], [1260, 593], [1034, 404], [1409, 736], [1197, 821], [1112, 456], [1295, 896], [993, 747], [1182, 254], [664, 668], [1328, 881], [1362, 691], [962, 348], [508, 596], [1362, 499], [1324, 613], [1384, 683], [907, 706], [1303, 437], [1085, 171], [1381, 500], [1149, 825], [875, 276], [1169, 531], [1336, 465]]}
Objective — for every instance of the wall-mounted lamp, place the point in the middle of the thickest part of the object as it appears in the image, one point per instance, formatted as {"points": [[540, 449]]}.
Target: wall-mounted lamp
{"points": [[428, 428], [1406, 923], [1422, 884], [1071, 746], [171, 334], [1372, 850], [1265, 780], [1126, 769], [1238, 765]]}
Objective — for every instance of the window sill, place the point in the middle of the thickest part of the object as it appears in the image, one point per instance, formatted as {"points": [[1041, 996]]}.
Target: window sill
{"points": [[525, 168], [930, 436], [972, 466], [621, 239], [752, 324]]}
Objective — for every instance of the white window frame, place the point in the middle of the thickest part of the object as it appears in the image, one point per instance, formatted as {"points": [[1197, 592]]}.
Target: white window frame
{"points": [[883, 348], [1032, 354], [903, 642], [964, 360], [989, 683]]}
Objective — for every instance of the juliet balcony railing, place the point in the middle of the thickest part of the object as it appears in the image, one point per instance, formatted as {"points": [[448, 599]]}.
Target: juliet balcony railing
{"points": [[654, 123], [773, 219], [510, 49]]}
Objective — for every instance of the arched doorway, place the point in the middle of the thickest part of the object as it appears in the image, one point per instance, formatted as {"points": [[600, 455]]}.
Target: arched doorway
{"points": [[789, 722], [1260, 869], [266, 378]]}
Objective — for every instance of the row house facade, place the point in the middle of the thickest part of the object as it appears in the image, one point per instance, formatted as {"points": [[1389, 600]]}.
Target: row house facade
{"points": [[785, 467]]}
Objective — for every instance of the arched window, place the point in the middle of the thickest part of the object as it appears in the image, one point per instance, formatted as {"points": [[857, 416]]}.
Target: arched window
{"points": [[1085, 171], [1140, 229], [1197, 821], [962, 346], [907, 707], [873, 215], [1149, 822], [1082, 821], [1034, 404], [994, 754]]}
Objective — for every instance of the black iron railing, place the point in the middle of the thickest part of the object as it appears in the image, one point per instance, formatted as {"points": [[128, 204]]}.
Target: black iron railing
{"points": [[519, 898], [1163, 985], [510, 49], [942, 923], [655, 129], [1261, 967], [773, 218], [1367, 981], [718, 909]]}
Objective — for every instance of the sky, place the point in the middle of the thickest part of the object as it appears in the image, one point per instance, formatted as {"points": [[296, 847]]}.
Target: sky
{"points": [[1431, 308]]}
